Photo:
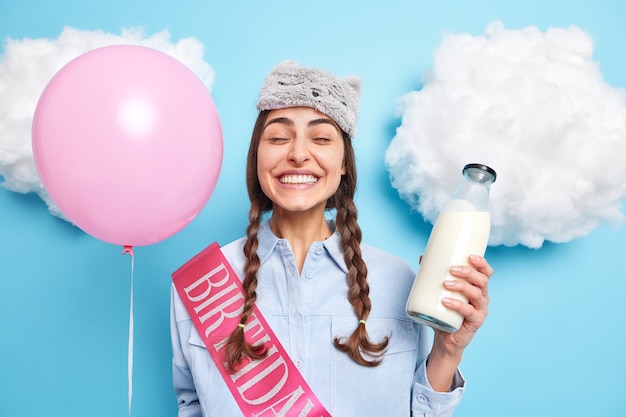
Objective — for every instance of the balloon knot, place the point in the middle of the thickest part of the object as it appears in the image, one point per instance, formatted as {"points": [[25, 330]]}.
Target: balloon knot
{"points": [[128, 250]]}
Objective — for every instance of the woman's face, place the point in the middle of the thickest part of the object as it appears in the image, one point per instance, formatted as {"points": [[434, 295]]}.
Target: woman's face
{"points": [[300, 159]]}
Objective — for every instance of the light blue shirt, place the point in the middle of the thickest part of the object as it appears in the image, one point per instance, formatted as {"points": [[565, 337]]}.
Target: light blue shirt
{"points": [[306, 312]]}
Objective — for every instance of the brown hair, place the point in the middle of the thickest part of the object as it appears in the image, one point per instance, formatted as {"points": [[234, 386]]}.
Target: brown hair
{"points": [[358, 343]]}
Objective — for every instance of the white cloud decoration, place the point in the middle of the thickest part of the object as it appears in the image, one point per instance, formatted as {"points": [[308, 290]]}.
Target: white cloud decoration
{"points": [[535, 107], [26, 67]]}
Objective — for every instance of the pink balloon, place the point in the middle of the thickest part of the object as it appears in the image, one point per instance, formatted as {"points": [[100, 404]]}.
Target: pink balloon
{"points": [[128, 144]]}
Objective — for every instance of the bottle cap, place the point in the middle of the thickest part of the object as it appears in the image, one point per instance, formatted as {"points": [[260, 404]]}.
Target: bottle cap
{"points": [[482, 167]]}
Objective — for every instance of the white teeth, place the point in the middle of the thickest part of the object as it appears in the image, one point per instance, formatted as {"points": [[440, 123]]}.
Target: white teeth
{"points": [[298, 179]]}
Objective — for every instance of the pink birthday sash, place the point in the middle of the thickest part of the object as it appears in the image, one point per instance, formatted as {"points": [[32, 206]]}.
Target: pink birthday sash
{"points": [[213, 296]]}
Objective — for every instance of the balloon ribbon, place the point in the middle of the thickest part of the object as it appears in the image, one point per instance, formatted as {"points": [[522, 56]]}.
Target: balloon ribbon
{"points": [[131, 325]]}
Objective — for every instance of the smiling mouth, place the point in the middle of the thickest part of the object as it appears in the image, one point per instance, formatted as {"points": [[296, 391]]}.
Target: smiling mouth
{"points": [[298, 179]]}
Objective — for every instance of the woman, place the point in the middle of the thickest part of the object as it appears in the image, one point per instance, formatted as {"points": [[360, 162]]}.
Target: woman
{"points": [[336, 305]]}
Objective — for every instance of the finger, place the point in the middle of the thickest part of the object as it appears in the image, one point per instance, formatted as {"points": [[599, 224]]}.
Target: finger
{"points": [[481, 264], [473, 317], [476, 296], [471, 275]]}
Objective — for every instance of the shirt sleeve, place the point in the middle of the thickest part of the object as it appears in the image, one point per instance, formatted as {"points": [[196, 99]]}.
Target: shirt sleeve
{"points": [[426, 402], [184, 388], [429, 403]]}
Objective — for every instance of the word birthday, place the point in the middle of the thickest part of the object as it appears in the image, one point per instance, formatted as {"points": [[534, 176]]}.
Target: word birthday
{"points": [[268, 387]]}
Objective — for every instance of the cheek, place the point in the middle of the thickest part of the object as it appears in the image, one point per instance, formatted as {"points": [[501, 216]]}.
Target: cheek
{"points": [[335, 171], [337, 161], [263, 173], [263, 162]]}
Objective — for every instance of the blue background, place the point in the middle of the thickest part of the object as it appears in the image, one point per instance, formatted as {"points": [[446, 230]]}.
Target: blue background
{"points": [[553, 343]]}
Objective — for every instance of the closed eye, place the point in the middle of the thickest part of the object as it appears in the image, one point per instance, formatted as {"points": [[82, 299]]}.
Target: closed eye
{"points": [[276, 139], [322, 140]]}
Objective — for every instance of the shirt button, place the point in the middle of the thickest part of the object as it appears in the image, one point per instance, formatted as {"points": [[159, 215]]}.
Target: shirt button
{"points": [[422, 399], [318, 251], [309, 274], [298, 363]]}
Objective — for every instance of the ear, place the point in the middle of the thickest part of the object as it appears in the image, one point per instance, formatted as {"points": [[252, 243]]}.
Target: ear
{"points": [[354, 83]]}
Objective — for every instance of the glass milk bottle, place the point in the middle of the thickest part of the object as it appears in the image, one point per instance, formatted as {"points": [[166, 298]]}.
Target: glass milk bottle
{"points": [[461, 229]]}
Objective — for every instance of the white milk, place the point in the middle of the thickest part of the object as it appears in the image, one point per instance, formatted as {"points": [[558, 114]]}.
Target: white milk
{"points": [[457, 233]]}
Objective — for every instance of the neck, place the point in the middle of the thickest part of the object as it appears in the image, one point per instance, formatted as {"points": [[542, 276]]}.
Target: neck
{"points": [[301, 230]]}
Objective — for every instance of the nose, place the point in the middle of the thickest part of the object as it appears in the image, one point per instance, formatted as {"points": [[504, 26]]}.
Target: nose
{"points": [[299, 152]]}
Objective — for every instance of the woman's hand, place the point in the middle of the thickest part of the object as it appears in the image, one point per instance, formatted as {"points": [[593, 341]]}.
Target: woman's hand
{"points": [[448, 348], [474, 286]]}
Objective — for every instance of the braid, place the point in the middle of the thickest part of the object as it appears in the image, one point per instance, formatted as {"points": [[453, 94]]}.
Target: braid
{"points": [[237, 347], [358, 342]]}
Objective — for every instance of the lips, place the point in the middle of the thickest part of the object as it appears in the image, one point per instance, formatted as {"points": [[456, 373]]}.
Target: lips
{"points": [[298, 179]]}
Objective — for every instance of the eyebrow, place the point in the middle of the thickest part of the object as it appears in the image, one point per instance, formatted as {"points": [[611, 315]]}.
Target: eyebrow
{"points": [[315, 122]]}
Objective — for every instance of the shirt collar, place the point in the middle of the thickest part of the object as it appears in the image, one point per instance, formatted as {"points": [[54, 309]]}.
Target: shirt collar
{"points": [[268, 241], [333, 247]]}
